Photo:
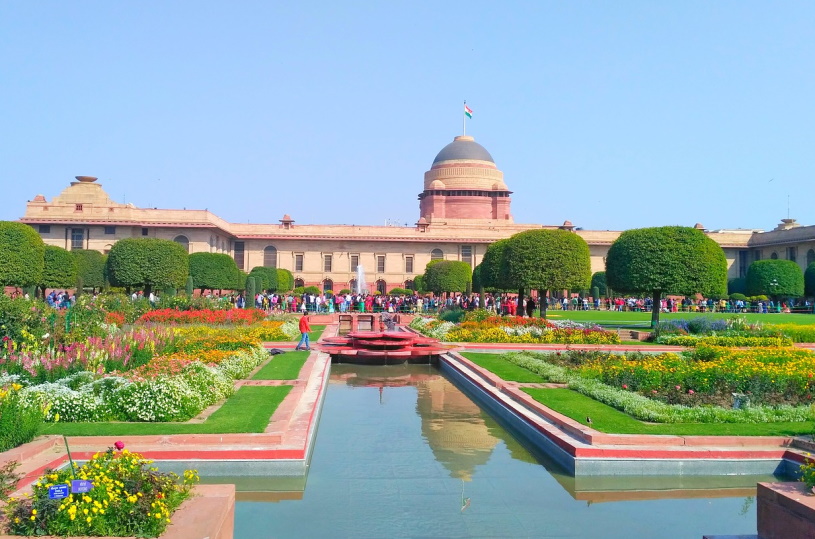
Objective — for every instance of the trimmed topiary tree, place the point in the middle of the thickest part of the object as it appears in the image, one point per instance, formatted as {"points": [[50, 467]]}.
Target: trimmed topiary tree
{"points": [[545, 260], [737, 285], [190, 287], [492, 274], [265, 278], [447, 276], [775, 278], [398, 291], [22, 255], [666, 260], [250, 292], [90, 267], [285, 280], [148, 263], [213, 271], [809, 280], [598, 280], [59, 269]]}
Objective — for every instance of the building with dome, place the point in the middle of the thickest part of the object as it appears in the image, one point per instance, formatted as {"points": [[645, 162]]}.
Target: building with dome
{"points": [[463, 207]]}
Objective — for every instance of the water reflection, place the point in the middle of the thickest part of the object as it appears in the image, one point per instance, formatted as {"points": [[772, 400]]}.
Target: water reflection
{"points": [[401, 452]]}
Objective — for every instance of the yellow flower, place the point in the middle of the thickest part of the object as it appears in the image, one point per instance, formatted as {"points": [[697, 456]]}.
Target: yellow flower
{"points": [[33, 511], [88, 520], [56, 418]]}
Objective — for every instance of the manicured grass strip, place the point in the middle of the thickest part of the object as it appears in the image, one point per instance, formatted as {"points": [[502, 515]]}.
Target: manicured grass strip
{"points": [[643, 319], [282, 367], [314, 336], [496, 364], [248, 410], [610, 420]]}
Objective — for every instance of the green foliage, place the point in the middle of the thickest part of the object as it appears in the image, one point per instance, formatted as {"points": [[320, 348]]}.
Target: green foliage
{"points": [[400, 292], [90, 266], [265, 278], [737, 296], [598, 280], [311, 290], [595, 292], [213, 271], [737, 285], [250, 292], [455, 315], [344, 291], [285, 280], [190, 286], [59, 268], [775, 278], [809, 280], [22, 253], [19, 421], [418, 284], [547, 260], [669, 259], [447, 276], [298, 291], [148, 262], [492, 273]]}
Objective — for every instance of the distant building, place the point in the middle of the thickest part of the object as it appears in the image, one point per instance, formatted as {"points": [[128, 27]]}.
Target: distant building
{"points": [[463, 207]]}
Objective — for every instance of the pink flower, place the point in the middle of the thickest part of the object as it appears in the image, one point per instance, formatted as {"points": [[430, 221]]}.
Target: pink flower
{"points": [[625, 386], [678, 388], [119, 445], [654, 391], [691, 392]]}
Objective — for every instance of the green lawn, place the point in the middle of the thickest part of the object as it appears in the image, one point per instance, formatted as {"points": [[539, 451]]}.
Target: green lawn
{"points": [[643, 318], [248, 410], [610, 420], [499, 366], [314, 336], [282, 367]]}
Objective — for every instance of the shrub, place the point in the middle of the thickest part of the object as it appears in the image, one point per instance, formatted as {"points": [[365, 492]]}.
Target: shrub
{"points": [[148, 262], [22, 255], [775, 278], [214, 271], [19, 419], [90, 267]]}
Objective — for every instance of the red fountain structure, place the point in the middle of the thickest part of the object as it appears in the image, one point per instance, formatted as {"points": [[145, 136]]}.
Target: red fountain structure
{"points": [[382, 348]]}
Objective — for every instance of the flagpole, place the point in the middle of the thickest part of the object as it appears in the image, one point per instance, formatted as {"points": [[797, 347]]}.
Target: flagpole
{"points": [[464, 119]]}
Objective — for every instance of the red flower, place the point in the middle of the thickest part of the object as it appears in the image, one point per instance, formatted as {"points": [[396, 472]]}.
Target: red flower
{"points": [[119, 445], [625, 386]]}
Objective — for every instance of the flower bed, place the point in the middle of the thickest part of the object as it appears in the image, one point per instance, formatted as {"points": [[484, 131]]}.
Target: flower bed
{"points": [[498, 329], [127, 498], [724, 340], [734, 331], [646, 408], [203, 316]]}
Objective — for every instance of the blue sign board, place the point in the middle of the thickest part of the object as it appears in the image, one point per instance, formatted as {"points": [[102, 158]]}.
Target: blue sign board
{"points": [[81, 486], [57, 492]]}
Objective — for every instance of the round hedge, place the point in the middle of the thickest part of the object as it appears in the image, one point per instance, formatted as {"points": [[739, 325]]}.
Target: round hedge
{"points": [[59, 268], [148, 262], [90, 266], [775, 278], [547, 260], [22, 255]]}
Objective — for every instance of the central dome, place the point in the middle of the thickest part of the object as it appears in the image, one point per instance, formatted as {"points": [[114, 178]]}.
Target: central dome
{"points": [[463, 148]]}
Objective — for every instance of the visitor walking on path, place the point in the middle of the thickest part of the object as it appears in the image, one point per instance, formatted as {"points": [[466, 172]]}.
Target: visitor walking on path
{"points": [[305, 329]]}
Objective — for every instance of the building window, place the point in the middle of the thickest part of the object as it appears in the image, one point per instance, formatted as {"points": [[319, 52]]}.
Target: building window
{"points": [[792, 253], [467, 254], [756, 256], [354, 263], [239, 253], [270, 257], [380, 264], [299, 283], [743, 263], [78, 207], [409, 285], [110, 230], [144, 231], [327, 259], [45, 229], [436, 254], [408, 264], [298, 262], [381, 286], [328, 285], [183, 241], [77, 238], [774, 256]]}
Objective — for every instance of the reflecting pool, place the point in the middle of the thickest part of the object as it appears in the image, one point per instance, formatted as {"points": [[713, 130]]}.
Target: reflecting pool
{"points": [[402, 452]]}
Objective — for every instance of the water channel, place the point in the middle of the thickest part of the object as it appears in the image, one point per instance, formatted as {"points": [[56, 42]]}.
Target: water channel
{"points": [[402, 452]]}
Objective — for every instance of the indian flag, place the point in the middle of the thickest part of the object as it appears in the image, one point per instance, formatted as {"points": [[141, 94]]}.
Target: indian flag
{"points": [[468, 111]]}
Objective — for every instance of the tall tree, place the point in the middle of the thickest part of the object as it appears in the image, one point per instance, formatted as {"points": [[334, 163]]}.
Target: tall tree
{"points": [[775, 278], [59, 269], [598, 280], [285, 280], [22, 255], [213, 271], [90, 266], [809, 280], [148, 263], [493, 274], [447, 276], [265, 278], [545, 260], [666, 260]]}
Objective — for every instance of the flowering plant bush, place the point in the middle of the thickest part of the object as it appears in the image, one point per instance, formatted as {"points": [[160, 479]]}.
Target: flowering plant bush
{"points": [[203, 316], [515, 329], [19, 422], [127, 498], [807, 470], [724, 340]]}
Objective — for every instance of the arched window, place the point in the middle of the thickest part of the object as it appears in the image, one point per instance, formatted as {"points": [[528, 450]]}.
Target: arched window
{"points": [[436, 254], [409, 285], [270, 257], [381, 286], [810, 256], [352, 285], [183, 241], [299, 283], [328, 284], [774, 256]]}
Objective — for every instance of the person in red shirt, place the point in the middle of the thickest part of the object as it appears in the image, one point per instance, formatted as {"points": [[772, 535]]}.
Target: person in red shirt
{"points": [[305, 329]]}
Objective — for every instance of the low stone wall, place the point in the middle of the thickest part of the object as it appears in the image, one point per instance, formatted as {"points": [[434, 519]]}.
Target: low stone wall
{"points": [[785, 510], [209, 513]]}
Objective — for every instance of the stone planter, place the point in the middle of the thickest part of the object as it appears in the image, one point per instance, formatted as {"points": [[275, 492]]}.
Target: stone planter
{"points": [[210, 513], [785, 510]]}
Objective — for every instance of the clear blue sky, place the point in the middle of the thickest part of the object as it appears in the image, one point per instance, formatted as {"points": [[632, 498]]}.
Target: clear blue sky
{"points": [[613, 115]]}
